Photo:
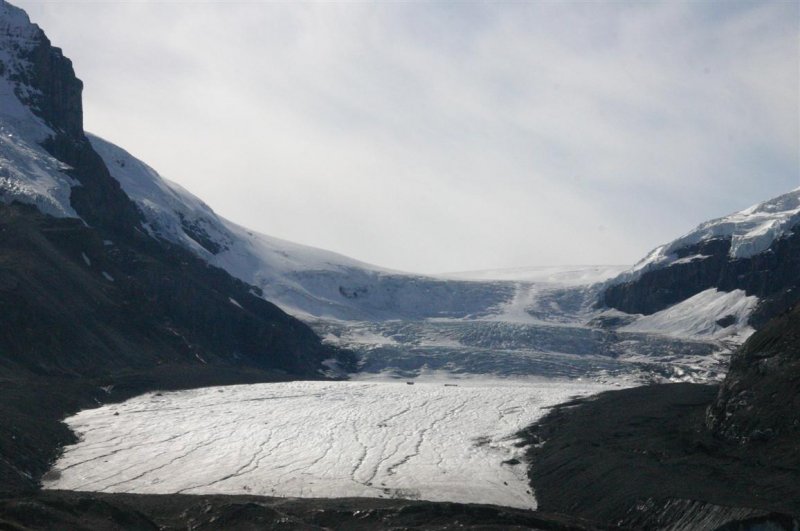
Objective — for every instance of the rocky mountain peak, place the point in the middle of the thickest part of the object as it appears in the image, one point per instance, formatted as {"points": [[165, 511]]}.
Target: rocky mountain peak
{"points": [[38, 74]]}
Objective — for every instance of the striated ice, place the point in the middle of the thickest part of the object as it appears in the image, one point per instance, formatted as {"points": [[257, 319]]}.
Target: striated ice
{"points": [[425, 441]]}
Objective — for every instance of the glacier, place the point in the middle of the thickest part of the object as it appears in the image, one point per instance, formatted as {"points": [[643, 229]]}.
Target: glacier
{"points": [[448, 440]]}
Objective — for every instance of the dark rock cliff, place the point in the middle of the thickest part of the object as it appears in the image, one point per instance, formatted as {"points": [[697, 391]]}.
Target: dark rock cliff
{"points": [[57, 98], [44, 81], [74, 303]]}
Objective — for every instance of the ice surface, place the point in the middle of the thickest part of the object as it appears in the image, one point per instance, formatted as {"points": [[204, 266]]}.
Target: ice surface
{"points": [[426, 441], [560, 275], [475, 349]]}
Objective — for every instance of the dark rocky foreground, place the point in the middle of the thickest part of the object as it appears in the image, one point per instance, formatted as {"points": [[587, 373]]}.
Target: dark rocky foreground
{"points": [[644, 458], [82, 510], [683, 455], [759, 402]]}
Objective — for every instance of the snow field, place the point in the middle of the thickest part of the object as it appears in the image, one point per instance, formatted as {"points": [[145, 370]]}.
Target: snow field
{"points": [[439, 441]]}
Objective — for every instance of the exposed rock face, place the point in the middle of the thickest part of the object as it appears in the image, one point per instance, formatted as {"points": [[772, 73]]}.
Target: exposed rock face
{"points": [[773, 276], [40, 76], [44, 82], [759, 401], [56, 97], [98, 511]]}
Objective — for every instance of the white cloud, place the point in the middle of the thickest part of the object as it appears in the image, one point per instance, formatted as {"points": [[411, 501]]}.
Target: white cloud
{"points": [[448, 136]]}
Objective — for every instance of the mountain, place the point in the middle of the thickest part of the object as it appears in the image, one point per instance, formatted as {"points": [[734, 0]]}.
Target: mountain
{"points": [[755, 252], [94, 307], [114, 281], [80, 270]]}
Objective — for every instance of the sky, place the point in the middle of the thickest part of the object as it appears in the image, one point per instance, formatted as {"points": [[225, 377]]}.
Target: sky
{"points": [[450, 136]]}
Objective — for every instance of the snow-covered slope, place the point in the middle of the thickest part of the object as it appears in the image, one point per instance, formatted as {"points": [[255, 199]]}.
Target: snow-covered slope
{"points": [[711, 314], [751, 231], [28, 174], [302, 280]]}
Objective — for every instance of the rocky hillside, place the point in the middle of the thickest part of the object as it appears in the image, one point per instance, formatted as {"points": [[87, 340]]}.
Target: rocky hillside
{"points": [[756, 250], [759, 402]]}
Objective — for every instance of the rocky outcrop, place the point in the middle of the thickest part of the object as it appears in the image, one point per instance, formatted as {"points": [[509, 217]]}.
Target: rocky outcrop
{"points": [[773, 276], [759, 402], [44, 82], [685, 456], [74, 302]]}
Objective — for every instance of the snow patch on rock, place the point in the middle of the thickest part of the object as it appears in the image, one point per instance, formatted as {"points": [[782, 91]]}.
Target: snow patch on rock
{"points": [[711, 314]]}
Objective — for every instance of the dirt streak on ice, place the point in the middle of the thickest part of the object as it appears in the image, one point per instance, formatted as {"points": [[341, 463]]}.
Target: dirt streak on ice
{"points": [[428, 441]]}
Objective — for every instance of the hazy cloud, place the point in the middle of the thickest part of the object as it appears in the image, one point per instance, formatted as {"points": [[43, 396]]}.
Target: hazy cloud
{"points": [[450, 136]]}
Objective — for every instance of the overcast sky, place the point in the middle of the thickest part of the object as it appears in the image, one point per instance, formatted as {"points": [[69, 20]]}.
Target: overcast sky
{"points": [[444, 136]]}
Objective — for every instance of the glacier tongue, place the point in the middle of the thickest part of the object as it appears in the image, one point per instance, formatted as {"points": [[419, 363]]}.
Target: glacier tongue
{"points": [[425, 441]]}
